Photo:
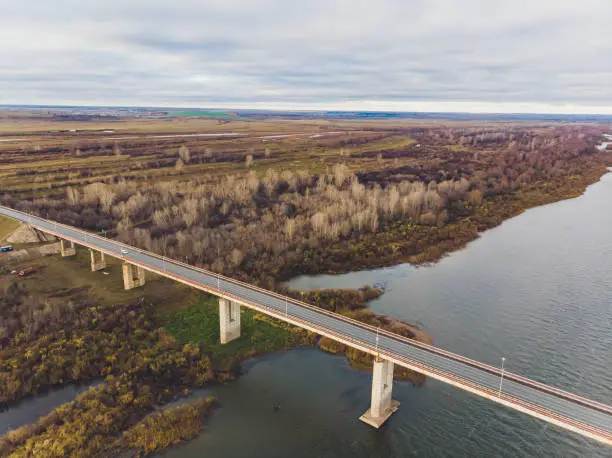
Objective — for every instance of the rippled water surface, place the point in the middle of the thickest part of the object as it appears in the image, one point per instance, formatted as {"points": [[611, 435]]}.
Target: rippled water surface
{"points": [[537, 290]]}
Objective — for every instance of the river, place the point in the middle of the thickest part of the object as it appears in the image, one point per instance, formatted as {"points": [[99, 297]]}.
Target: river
{"points": [[31, 409], [537, 290]]}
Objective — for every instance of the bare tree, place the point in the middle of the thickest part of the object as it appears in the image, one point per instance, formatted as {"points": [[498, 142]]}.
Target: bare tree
{"points": [[475, 197], [107, 196], [73, 195], [237, 257], [319, 222], [290, 228], [184, 154]]}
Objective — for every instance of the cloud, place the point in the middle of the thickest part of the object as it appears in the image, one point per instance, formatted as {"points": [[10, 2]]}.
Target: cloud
{"points": [[474, 55]]}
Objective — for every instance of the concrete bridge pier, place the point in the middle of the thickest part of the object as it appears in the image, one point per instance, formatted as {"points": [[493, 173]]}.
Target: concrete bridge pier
{"points": [[67, 248], [229, 320], [133, 276], [383, 406], [97, 264]]}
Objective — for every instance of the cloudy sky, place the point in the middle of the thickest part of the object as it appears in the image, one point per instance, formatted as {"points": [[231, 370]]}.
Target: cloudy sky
{"points": [[431, 55]]}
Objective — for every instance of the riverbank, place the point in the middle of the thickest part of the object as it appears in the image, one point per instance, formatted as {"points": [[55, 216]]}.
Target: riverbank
{"points": [[406, 242], [65, 325], [260, 334], [535, 290], [354, 304]]}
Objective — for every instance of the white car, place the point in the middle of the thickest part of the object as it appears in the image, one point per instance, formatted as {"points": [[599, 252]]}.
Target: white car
{"points": [[124, 251]]}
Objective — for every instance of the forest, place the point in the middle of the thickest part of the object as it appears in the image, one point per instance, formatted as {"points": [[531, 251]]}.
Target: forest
{"points": [[375, 206]]}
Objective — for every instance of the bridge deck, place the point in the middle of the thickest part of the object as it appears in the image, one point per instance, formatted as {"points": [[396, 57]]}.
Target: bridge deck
{"points": [[575, 413]]}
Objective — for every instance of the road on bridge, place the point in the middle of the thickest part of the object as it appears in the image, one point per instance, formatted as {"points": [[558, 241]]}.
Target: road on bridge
{"points": [[589, 418]]}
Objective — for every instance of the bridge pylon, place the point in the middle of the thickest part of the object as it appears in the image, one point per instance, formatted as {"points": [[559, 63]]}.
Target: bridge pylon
{"points": [[97, 264], [383, 406], [133, 276], [229, 320], [67, 250]]}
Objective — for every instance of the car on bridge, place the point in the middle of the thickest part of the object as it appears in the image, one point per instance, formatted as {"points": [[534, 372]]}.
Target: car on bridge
{"points": [[6, 248]]}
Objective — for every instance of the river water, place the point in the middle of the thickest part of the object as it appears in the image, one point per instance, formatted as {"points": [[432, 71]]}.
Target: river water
{"points": [[31, 409], [536, 290]]}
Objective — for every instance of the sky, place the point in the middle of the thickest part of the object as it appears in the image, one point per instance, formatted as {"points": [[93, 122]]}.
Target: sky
{"points": [[542, 56]]}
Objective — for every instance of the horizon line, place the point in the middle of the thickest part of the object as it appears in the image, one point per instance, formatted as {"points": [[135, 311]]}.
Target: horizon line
{"points": [[309, 110]]}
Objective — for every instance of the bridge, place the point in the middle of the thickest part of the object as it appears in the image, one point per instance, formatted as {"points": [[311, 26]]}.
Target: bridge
{"points": [[575, 413]]}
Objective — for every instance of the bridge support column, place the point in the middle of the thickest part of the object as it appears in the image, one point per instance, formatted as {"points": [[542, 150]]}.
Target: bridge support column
{"points": [[98, 264], [382, 406], [229, 320], [67, 248], [133, 276]]}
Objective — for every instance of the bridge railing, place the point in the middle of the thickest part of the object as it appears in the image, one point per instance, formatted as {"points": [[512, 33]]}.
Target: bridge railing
{"points": [[430, 348]]}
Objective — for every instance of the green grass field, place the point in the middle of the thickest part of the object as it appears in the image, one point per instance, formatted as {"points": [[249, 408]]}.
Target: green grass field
{"points": [[199, 324], [189, 315]]}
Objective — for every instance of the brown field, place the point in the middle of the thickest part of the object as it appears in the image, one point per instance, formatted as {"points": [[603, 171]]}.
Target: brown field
{"points": [[49, 161]]}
